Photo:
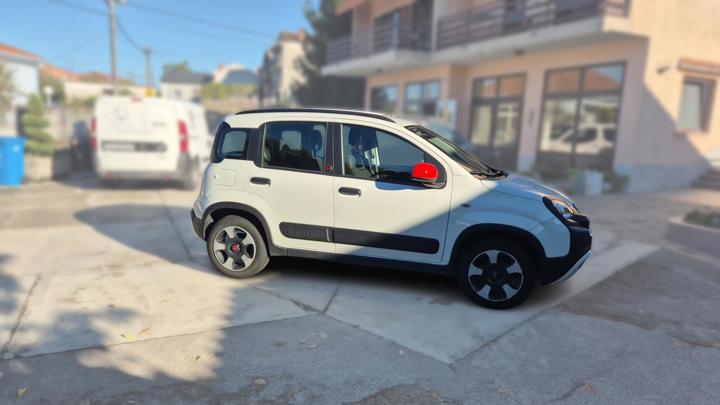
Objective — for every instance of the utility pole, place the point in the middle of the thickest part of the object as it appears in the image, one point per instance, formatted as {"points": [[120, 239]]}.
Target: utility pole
{"points": [[113, 57], [149, 87]]}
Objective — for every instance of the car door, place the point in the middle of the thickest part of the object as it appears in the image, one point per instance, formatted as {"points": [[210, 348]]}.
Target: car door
{"points": [[379, 210], [293, 185]]}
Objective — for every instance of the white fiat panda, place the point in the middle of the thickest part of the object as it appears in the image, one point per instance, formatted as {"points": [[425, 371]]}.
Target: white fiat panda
{"points": [[369, 189]]}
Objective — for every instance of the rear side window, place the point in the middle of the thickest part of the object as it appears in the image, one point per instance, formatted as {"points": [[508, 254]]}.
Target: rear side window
{"points": [[295, 145], [230, 143], [234, 144]]}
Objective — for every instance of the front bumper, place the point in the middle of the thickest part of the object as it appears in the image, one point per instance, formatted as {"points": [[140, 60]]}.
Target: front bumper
{"points": [[558, 269]]}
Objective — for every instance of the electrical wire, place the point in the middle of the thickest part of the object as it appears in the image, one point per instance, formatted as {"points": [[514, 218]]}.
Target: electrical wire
{"points": [[204, 22]]}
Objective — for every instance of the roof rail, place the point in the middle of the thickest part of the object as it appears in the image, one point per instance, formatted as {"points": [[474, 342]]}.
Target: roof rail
{"points": [[319, 110]]}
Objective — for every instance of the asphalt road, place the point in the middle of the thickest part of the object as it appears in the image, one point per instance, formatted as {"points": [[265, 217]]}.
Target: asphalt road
{"points": [[107, 297]]}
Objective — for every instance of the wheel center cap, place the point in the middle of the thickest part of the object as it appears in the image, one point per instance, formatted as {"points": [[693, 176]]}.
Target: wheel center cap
{"points": [[235, 247]]}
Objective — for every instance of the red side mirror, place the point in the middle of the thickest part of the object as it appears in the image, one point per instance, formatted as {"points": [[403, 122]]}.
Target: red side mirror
{"points": [[425, 173]]}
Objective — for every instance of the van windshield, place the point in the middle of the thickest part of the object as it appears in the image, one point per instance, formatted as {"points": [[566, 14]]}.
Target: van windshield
{"points": [[456, 153]]}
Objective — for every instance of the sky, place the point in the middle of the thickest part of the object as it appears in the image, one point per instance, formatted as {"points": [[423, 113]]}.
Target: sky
{"points": [[74, 34]]}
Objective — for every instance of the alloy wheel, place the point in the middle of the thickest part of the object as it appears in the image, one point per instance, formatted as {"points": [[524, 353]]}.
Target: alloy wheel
{"points": [[495, 275], [234, 248]]}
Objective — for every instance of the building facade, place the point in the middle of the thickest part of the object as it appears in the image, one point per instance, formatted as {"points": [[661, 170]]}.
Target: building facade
{"points": [[280, 71], [183, 86], [22, 67], [628, 86]]}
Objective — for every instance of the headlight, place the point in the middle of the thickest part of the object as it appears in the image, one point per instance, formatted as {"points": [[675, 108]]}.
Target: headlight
{"points": [[560, 208]]}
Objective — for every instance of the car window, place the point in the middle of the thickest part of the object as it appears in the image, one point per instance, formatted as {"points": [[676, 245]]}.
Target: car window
{"points": [[295, 145], [234, 144], [374, 154]]}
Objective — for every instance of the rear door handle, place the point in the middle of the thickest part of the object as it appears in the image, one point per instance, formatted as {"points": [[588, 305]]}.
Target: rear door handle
{"points": [[263, 181], [349, 191]]}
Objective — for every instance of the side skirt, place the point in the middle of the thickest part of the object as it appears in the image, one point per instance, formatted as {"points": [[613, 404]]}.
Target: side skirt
{"points": [[371, 261]]}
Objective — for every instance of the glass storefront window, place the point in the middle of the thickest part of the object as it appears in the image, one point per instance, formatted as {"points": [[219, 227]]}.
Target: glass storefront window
{"points": [[482, 125], [421, 98], [602, 78], [563, 81], [512, 86], [579, 127], [558, 125], [383, 99], [496, 118], [506, 124], [486, 88], [598, 125]]}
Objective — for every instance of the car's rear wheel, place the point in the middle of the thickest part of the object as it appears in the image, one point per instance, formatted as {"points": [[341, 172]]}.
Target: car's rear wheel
{"points": [[236, 247], [496, 273]]}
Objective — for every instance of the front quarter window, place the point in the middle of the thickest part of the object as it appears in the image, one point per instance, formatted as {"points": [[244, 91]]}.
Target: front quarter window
{"points": [[456, 153]]}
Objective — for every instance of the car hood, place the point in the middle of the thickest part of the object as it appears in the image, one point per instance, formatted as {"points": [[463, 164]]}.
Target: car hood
{"points": [[525, 187]]}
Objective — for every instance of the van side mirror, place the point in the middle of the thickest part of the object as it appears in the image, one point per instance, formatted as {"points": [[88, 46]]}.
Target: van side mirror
{"points": [[425, 173]]}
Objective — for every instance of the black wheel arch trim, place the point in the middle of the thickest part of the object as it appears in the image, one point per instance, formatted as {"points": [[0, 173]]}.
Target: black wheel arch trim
{"points": [[273, 249], [498, 230]]}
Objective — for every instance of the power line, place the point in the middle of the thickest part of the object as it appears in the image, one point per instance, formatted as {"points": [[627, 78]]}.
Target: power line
{"points": [[127, 36], [206, 23], [77, 47], [211, 23], [79, 7]]}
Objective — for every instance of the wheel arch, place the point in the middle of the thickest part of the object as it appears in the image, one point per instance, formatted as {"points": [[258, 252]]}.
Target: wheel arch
{"points": [[217, 211], [482, 231]]}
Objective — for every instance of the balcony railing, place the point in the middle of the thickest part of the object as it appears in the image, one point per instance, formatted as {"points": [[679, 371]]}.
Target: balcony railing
{"points": [[381, 38], [508, 17]]}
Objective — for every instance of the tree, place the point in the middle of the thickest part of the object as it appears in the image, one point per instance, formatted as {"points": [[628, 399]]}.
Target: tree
{"points": [[223, 91], [7, 89], [34, 126], [58, 94], [183, 66], [319, 90]]}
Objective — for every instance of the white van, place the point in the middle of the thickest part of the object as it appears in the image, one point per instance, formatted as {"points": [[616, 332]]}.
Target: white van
{"points": [[149, 138]]}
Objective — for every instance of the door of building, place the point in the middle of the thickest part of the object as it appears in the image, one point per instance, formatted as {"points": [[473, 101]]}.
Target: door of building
{"points": [[496, 119]]}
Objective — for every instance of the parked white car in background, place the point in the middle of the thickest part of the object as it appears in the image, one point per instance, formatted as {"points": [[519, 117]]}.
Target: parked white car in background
{"points": [[149, 138], [369, 189]]}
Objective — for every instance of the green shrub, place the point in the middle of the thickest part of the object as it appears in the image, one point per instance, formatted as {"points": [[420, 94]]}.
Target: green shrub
{"points": [[618, 182], [34, 126], [703, 218]]}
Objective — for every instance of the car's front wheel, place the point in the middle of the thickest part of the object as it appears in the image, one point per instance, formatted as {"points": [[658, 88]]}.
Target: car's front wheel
{"points": [[496, 273], [236, 247]]}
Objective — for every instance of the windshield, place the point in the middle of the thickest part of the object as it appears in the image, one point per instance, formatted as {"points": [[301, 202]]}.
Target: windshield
{"points": [[452, 150]]}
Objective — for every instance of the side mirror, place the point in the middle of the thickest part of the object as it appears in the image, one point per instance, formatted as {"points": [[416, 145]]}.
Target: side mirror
{"points": [[425, 173]]}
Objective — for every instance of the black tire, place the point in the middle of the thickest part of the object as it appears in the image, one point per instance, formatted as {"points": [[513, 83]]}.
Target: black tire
{"points": [[502, 284], [258, 253]]}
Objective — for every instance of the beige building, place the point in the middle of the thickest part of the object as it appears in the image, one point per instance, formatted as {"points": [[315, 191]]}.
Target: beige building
{"points": [[280, 71], [622, 85]]}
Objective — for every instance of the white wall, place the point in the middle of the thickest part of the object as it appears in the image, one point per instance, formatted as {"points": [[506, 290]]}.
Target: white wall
{"points": [[182, 92], [26, 79]]}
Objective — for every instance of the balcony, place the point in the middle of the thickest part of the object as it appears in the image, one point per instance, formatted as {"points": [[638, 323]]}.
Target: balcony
{"points": [[496, 29], [501, 18], [383, 42]]}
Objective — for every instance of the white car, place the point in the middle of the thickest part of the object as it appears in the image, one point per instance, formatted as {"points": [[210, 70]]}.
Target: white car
{"points": [[149, 138], [370, 189]]}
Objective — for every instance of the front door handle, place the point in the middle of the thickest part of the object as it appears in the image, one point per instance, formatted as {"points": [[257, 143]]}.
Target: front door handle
{"points": [[263, 181], [349, 191]]}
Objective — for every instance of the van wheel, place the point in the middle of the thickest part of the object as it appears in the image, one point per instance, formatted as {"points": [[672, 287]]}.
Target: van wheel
{"points": [[496, 273], [190, 176], [236, 248]]}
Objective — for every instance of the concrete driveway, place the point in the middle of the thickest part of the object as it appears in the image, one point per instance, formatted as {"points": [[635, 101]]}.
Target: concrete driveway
{"points": [[111, 287]]}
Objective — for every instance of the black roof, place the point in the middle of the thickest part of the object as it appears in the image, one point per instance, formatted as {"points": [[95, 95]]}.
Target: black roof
{"points": [[319, 110], [176, 76]]}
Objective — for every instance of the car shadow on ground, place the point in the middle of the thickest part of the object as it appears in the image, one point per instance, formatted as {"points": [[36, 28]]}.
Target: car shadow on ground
{"points": [[165, 232]]}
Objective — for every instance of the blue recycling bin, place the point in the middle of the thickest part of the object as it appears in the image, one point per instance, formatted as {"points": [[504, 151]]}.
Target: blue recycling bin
{"points": [[12, 160]]}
